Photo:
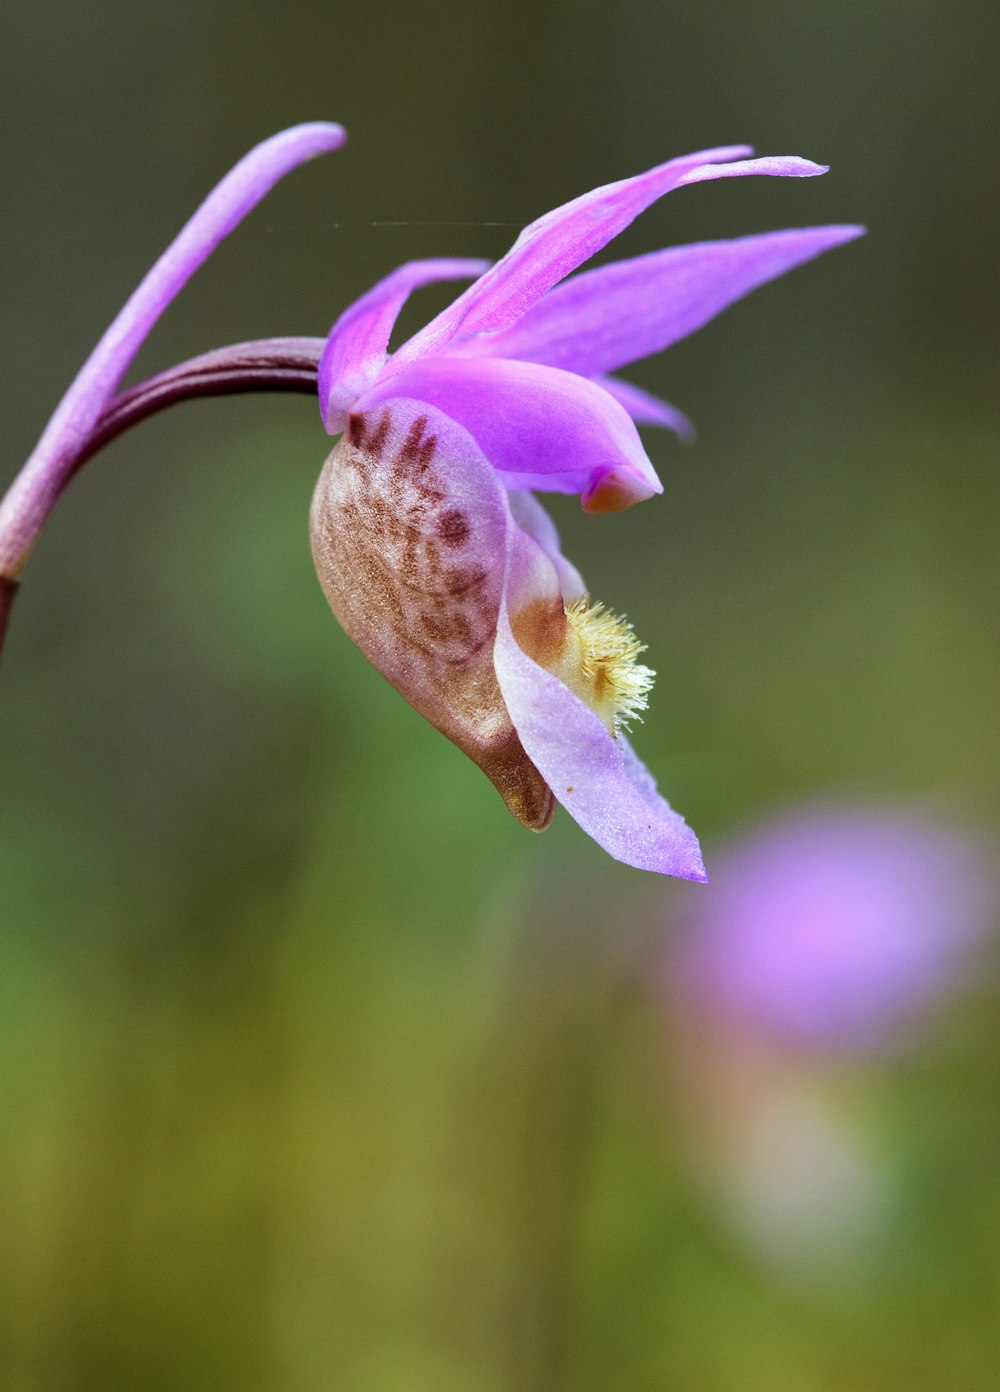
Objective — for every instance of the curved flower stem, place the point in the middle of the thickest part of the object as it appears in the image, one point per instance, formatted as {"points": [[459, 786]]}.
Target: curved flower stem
{"points": [[265, 365], [23, 512], [270, 364]]}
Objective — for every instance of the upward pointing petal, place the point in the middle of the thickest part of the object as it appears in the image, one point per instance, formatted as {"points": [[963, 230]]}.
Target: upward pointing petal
{"points": [[548, 249], [603, 319], [39, 484], [355, 351], [552, 246], [224, 208]]}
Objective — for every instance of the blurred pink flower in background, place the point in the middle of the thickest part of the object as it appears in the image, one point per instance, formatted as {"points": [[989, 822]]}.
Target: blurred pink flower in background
{"points": [[824, 940], [831, 927]]}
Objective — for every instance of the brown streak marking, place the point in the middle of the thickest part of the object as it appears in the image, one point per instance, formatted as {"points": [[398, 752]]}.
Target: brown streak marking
{"points": [[427, 451], [453, 527], [378, 437], [453, 625], [459, 580], [410, 561], [474, 650], [439, 629], [380, 583], [446, 624], [408, 454]]}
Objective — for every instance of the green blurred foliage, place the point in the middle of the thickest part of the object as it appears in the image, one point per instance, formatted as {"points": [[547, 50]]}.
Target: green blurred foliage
{"points": [[319, 1073]]}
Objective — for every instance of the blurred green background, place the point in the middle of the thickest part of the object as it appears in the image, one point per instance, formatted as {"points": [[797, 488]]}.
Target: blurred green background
{"points": [[319, 1074]]}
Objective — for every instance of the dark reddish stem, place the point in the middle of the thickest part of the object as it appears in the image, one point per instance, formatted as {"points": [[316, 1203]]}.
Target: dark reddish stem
{"points": [[8, 593], [267, 365]]}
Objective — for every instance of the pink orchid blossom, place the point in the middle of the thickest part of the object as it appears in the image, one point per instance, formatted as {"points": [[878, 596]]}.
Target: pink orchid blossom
{"points": [[430, 546], [433, 553]]}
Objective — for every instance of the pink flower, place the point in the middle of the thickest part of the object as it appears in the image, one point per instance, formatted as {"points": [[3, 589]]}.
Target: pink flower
{"points": [[431, 549], [832, 927]]}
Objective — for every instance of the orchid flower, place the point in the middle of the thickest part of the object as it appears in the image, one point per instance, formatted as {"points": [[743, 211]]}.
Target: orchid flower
{"points": [[433, 552], [430, 546]]}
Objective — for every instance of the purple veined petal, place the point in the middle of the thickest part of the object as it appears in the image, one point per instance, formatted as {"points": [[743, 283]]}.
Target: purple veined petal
{"points": [[597, 778], [539, 427], [604, 319], [646, 409], [532, 518], [548, 249], [40, 481], [355, 351]]}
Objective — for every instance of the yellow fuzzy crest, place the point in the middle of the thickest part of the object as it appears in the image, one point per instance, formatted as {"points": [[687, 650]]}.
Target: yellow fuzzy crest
{"points": [[617, 685]]}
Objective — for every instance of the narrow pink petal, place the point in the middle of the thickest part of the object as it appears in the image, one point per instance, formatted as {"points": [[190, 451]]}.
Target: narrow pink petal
{"points": [[601, 320], [355, 351], [225, 207], [39, 483], [646, 409], [557, 243], [780, 166], [539, 427], [554, 245], [597, 778]]}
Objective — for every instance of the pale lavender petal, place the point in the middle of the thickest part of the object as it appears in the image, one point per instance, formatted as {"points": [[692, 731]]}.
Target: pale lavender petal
{"points": [[37, 487], [597, 778], [355, 351], [532, 518], [601, 320], [557, 243], [539, 427], [780, 166], [646, 409]]}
